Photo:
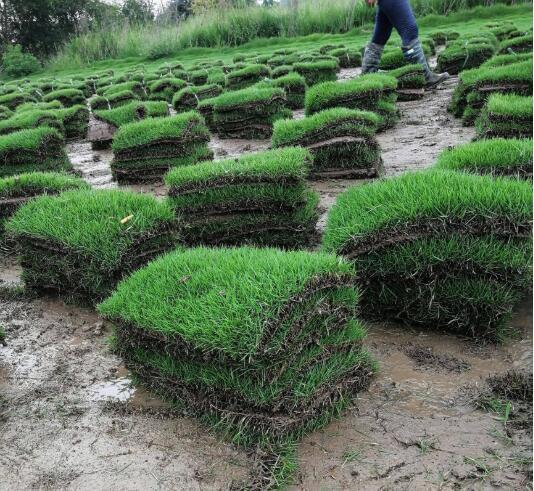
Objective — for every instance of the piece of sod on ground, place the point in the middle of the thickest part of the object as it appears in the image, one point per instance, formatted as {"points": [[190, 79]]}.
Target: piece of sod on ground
{"points": [[67, 97], [475, 86], [31, 119], [144, 150], [506, 116], [508, 59], [261, 344], [188, 98], [164, 88], [81, 243], [294, 87], [456, 58], [438, 248], [136, 87], [315, 72], [247, 76], [347, 58], [410, 82], [374, 92], [113, 101], [75, 120], [44, 106], [6, 113], [520, 44], [260, 199], [37, 149], [341, 141], [247, 113], [18, 190], [498, 157], [15, 99]]}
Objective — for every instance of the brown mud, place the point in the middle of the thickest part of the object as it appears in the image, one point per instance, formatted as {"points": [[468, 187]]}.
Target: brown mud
{"points": [[70, 417]]}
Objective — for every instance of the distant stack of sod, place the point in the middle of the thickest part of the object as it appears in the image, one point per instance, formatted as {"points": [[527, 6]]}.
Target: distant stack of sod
{"points": [[188, 98], [38, 149], [497, 157], [67, 97], [315, 72], [247, 76], [505, 116], [374, 92], [75, 120], [475, 86], [144, 150], [440, 249], [165, 88], [294, 87], [113, 100], [517, 44], [18, 190], [79, 244], [31, 119], [248, 113], [260, 199], [468, 51], [261, 344], [341, 141], [347, 57], [410, 82]]}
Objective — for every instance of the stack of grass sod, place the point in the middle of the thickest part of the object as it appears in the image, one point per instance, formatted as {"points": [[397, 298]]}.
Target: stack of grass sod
{"points": [[508, 59], [262, 345], [79, 244], [503, 30], [37, 149], [18, 190], [145, 150], [410, 82], [75, 120], [315, 72], [374, 92], [134, 86], [505, 116], [475, 86], [6, 113], [519, 44], [259, 199], [467, 52], [248, 113], [15, 99], [247, 76], [497, 157], [188, 98], [31, 119], [441, 38], [294, 87], [165, 88], [341, 141], [67, 97], [346, 57], [438, 248]]}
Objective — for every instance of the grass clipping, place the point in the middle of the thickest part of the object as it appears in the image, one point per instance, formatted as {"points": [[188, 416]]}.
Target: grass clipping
{"points": [[260, 343], [438, 248]]}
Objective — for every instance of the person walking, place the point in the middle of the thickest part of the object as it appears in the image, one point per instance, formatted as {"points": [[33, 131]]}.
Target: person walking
{"points": [[397, 14]]}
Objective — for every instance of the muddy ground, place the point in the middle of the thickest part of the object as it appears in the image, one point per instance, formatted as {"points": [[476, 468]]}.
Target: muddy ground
{"points": [[71, 419]]}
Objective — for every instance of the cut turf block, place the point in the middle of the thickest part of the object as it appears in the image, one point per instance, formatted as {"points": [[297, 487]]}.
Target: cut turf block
{"points": [[374, 92], [188, 98], [145, 150], [438, 248], [477, 85], [38, 149], [134, 86], [67, 97], [75, 120], [520, 44], [341, 141], [17, 190], [294, 87], [497, 157], [79, 244], [247, 76], [410, 82], [114, 100], [15, 99], [6, 113], [261, 344], [347, 58], [315, 72], [458, 57], [508, 59], [247, 113], [31, 119], [259, 199], [442, 37], [165, 88], [505, 116]]}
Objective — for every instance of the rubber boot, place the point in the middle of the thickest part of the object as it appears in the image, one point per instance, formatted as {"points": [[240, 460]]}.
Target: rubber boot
{"points": [[414, 54], [371, 58]]}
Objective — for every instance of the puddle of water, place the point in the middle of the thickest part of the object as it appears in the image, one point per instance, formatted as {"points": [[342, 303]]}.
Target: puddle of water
{"points": [[120, 390]]}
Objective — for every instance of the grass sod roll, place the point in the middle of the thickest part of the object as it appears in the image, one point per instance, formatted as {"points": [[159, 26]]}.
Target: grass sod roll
{"points": [[113, 100], [457, 58], [79, 244], [18, 190], [519, 44], [188, 98], [38, 149], [448, 222], [410, 82], [347, 58], [260, 199], [15, 99], [341, 141], [136, 87], [497, 157], [164, 89], [248, 113], [294, 87], [67, 97], [31, 119], [247, 76], [315, 72], [262, 374], [75, 120], [145, 150], [122, 115], [505, 116]]}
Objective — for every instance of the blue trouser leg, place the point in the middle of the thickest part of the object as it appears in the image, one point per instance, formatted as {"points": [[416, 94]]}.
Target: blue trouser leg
{"points": [[397, 14]]}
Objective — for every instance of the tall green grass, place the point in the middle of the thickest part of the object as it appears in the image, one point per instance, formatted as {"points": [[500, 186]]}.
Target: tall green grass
{"points": [[233, 27]]}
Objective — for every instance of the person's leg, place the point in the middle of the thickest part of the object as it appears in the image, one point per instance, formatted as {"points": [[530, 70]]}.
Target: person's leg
{"points": [[373, 51], [400, 14]]}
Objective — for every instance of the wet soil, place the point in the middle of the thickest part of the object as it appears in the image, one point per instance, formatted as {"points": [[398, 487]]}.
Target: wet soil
{"points": [[70, 417]]}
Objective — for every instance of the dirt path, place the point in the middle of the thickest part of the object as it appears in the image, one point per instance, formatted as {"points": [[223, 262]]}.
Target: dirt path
{"points": [[70, 418]]}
